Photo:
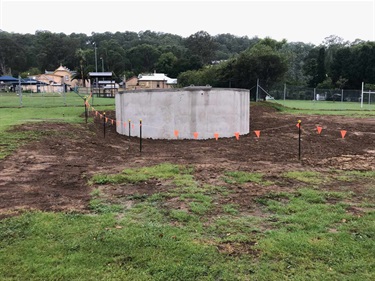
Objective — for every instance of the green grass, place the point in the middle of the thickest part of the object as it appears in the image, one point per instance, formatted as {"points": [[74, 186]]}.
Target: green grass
{"points": [[317, 241], [45, 100], [186, 232], [180, 175], [308, 177], [302, 235], [38, 111], [323, 107]]}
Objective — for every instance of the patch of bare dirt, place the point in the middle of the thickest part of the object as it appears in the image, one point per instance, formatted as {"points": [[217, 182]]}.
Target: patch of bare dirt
{"points": [[52, 173]]}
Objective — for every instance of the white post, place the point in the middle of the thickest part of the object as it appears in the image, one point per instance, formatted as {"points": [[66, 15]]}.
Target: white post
{"points": [[342, 95], [314, 94], [20, 89], [369, 96], [257, 95], [362, 95], [96, 69], [284, 90]]}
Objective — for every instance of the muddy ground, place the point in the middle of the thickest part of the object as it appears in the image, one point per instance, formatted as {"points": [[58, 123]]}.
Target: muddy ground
{"points": [[52, 173]]}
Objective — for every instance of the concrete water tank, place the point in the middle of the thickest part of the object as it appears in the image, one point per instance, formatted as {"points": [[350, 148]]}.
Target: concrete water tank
{"points": [[184, 113]]}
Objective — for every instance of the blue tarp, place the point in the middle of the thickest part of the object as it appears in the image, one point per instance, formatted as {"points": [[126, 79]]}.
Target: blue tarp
{"points": [[8, 79], [24, 81]]}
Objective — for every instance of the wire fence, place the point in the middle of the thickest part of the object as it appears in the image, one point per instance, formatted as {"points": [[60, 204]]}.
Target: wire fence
{"points": [[314, 98], [291, 96], [46, 100]]}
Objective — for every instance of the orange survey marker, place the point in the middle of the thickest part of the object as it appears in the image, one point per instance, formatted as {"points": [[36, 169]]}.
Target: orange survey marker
{"points": [[343, 133], [176, 133], [195, 135], [237, 134], [319, 129], [257, 133], [216, 135], [298, 124]]}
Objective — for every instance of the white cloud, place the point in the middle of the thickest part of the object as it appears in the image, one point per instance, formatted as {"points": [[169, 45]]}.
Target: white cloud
{"points": [[306, 21]]}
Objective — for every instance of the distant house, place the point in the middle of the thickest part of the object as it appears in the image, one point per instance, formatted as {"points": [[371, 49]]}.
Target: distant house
{"points": [[132, 83], [156, 81], [59, 80], [150, 81]]}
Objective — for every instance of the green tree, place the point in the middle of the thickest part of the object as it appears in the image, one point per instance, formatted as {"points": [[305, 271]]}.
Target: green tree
{"points": [[208, 75], [262, 62], [82, 72], [143, 58], [314, 66], [202, 45], [166, 63], [296, 52]]}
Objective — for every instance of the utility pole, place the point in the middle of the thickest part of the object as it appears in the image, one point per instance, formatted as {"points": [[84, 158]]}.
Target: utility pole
{"points": [[102, 63], [96, 65]]}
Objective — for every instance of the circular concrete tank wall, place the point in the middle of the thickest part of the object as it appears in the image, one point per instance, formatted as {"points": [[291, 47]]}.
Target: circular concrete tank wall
{"points": [[191, 112]]}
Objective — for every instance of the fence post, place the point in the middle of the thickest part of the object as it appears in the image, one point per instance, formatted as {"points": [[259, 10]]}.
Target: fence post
{"points": [[299, 139], [140, 135], [85, 99], [362, 95], [104, 123]]}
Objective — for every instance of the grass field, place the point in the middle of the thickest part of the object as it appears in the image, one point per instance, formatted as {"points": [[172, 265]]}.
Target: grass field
{"points": [[302, 235], [38, 108], [44, 100], [327, 107], [305, 234]]}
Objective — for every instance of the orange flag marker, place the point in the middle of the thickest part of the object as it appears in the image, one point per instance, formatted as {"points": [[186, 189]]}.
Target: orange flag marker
{"points": [[112, 121], [319, 129], [106, 119], [237, 134], [257, 133], [298, 125], [216, 135], [343, 133], [195, 135], [176, 133]]}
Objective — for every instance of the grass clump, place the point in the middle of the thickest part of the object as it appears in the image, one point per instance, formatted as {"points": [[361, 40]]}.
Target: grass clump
{"points": [[308, 177], [311, 239], [180, 174], [101, 248]]}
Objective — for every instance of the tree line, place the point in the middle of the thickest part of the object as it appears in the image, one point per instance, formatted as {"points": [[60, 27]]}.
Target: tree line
{"points": [[223, 60]]}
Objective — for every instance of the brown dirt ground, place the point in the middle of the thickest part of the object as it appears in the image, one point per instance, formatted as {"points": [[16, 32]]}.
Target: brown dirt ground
{"points": [[52, 174]]}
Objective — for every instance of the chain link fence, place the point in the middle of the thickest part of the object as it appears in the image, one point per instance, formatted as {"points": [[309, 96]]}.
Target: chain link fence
{"points": [[311, 98], [48, 100]]}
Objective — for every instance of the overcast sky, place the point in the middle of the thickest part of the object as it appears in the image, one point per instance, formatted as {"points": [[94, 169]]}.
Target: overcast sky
{"points": [[305, 21]]}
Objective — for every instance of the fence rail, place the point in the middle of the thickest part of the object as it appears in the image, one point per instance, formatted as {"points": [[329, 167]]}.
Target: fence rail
{"points": [[314, 98], [45, 100]]}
